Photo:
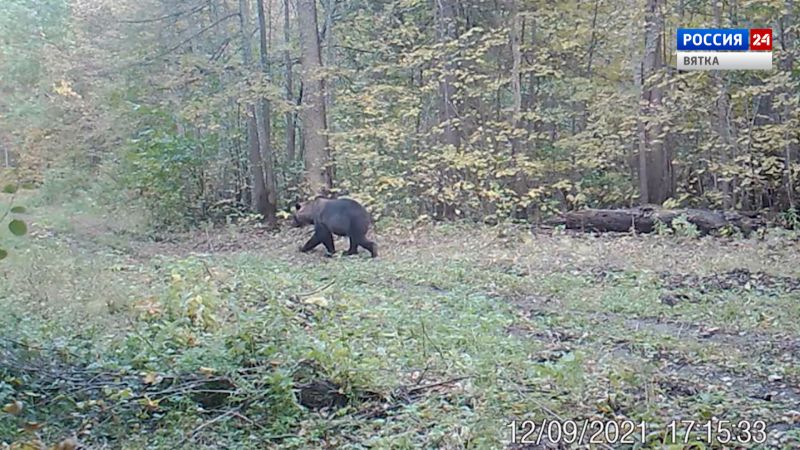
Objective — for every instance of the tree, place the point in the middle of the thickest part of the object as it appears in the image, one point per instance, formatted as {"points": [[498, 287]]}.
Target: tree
{"points": [[442, 108], [256, 134], [317, 150], [446, 32], [264, 124], [789, 30], [723, 126], [516, 77], [289, 115], [655, 161]]}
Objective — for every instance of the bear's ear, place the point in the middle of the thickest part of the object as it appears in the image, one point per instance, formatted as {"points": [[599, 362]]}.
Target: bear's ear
{"points": [[297, 206]]}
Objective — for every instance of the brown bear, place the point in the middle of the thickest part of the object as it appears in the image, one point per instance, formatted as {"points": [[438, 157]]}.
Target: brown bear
{"points": [[339, 216]]}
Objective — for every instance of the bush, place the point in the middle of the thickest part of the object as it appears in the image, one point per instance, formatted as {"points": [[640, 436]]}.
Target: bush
{"points": [[168, 172]]}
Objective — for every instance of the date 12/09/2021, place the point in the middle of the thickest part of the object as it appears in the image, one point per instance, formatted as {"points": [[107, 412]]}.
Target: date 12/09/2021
{"points": [[578, 432]]}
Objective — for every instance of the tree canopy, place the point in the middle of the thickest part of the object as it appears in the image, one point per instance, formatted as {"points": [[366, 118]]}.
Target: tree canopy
{"points": [[447, 109]]}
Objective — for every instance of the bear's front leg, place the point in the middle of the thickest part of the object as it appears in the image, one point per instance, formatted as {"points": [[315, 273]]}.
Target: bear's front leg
{"points": [[325, 236], [313, 242]]}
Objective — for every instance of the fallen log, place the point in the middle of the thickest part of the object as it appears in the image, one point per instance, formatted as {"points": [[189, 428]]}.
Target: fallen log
{"points": [[644, 219]]}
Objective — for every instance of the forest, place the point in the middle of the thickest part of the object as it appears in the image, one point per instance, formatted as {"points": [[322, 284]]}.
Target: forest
{"points": [[572, 231]]}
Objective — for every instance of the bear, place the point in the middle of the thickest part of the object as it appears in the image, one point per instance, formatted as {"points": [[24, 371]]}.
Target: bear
{"points": [[339, 216]]}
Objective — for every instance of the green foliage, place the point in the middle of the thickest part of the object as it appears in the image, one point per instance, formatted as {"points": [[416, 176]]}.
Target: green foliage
{"points": [[730, 231], [555, 130], [63, 184], [573, 145], [567, 370], [16, 226], [684, 228], [791, 219], [170, 173], [196, 301], [662, 229], [29, 30]]}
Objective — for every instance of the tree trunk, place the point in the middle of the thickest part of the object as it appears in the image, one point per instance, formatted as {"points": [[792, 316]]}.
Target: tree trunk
{"points": [[641, 135], [317, 151], [446, 31], [723, 130], [654, 157], [786, 64], [287, 60], [263, 119], [592, 40], [516, 81], [259, 198], [330, 55]]}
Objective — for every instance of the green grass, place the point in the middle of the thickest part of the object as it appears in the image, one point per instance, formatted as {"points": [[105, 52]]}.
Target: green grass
{"points": [[453, 333]]}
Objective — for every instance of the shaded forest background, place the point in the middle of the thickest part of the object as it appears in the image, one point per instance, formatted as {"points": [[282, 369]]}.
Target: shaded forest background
{"points": [[485, 110]]}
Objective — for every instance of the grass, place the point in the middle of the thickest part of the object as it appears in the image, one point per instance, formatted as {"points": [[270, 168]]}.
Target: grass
{"points": [[455, 332]]}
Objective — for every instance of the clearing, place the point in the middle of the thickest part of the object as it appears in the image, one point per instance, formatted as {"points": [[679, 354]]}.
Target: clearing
{"points": [[228, 337]]}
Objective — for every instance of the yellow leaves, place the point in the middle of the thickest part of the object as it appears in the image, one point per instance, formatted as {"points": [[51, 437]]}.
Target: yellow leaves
{"points": [[317, 300], [64, 89], [197, 310], [14, 408], [207, 371], [34, 444], [122, 394], [150, 306], [82, 406], [578, 199], [31, 427], [192, 295], [190, 340], [671, 203], [563, 185], [67, 444], [536, 193], [424, 218], [491, 195], [505, 172], [772, 166], [385, 183], [149, 404], [152, 378]]}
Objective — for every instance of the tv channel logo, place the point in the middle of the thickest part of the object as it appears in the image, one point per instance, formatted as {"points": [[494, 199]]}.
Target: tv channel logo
{"points": [[724, 49]]}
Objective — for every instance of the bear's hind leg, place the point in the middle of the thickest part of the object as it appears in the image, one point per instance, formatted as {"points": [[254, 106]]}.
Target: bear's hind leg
{"points": [[371, 246], [353, 250]]}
